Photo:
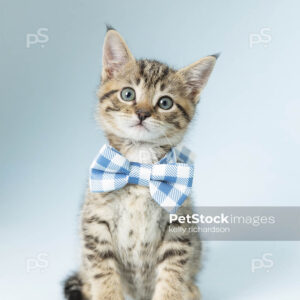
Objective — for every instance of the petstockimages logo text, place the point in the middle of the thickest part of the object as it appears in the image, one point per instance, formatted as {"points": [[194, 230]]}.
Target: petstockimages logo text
{"points": [[234, 223], [222, 219]]}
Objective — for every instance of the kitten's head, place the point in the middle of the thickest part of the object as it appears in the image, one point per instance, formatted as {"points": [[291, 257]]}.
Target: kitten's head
{"points": [[145, 100]]}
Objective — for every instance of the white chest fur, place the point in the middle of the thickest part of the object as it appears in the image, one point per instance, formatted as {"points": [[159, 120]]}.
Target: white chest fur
{"points": [[138, 224], [143, 153]]}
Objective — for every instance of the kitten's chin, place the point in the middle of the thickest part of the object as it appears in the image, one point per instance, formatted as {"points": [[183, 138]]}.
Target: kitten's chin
{"points": [[136, 133], [139, 133]]}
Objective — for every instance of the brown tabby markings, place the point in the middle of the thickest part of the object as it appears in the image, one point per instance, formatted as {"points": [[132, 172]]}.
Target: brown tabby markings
{"points": [[152, 72], [107, 95], [129, 246]]}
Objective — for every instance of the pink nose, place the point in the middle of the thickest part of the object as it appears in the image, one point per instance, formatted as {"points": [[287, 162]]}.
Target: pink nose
{"points": [[143, 114]]}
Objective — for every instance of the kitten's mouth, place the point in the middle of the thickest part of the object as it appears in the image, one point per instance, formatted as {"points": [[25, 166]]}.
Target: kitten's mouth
{"points": [[140, 125]]}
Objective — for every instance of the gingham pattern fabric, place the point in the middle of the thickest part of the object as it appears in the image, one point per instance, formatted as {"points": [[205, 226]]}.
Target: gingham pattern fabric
{"points": [[169, 181]]}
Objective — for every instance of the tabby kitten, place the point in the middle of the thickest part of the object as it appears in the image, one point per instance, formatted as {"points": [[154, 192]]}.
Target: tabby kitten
{"points": [[128, 248]]}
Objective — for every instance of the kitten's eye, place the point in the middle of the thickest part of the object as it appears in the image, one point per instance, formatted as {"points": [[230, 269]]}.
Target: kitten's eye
{"points": [[165, 103], [128, 94]]}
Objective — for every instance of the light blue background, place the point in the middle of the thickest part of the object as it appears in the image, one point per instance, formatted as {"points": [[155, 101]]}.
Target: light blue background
{"points": [[246, 134]]}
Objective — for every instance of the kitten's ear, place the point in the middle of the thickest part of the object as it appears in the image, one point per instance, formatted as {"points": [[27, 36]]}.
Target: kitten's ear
{"points": [[196, 75], [115, 54]]}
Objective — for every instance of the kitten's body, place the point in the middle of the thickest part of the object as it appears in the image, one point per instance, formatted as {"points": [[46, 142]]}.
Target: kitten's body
{"points": [[139, 231], [129, 246]]}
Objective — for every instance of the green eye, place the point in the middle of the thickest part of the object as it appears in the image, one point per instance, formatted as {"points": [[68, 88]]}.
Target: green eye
{"points": [[165, 103], [128, 94]]}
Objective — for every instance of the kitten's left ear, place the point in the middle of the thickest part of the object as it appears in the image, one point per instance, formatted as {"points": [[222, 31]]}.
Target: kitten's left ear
{"points": [[196, 75], [115, 54]]}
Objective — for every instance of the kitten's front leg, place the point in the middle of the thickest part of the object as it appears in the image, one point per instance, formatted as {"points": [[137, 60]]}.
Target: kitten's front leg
{"points": [[100, 261], [176, 261]]}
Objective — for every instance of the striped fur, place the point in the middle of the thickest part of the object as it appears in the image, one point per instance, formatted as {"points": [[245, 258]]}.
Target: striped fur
{"points": [[128, 245]]}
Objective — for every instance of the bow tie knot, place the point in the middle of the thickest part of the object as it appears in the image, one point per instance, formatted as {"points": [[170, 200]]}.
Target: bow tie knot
{"points": [[169, 182], [139, 174]]}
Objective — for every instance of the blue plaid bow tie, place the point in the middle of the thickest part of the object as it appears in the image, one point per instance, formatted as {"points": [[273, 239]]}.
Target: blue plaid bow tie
{"points": [[169, 182]]}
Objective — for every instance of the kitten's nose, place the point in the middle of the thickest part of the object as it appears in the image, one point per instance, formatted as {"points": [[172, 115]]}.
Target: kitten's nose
{"points": [[143, 114]]}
